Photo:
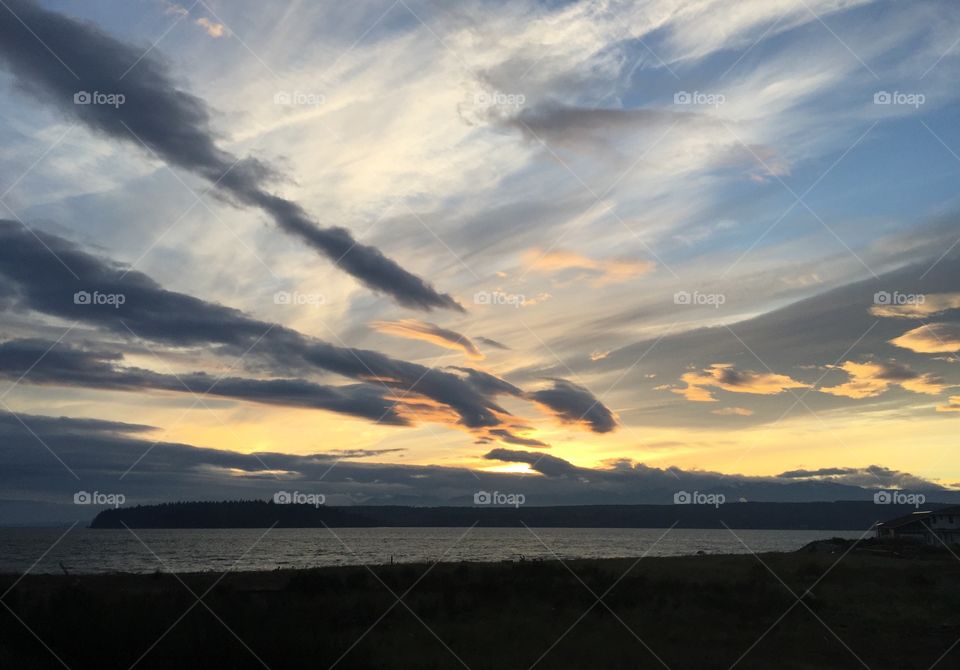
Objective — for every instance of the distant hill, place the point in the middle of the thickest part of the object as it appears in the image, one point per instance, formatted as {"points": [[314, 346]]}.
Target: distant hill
{"points": [[846, 515]]}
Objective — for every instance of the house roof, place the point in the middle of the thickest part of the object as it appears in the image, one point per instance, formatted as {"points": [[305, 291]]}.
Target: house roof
{"points": [[919, 516], [901, 521]]}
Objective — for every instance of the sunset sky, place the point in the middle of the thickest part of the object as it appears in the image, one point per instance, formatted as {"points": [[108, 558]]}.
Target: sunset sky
{"points": [[379, 244]]}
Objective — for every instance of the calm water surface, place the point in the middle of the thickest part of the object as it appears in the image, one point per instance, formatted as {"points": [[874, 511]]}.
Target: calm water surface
{"points": [[96, 551]]}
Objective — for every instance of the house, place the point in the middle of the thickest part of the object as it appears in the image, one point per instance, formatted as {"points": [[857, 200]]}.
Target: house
{"points": [[936, 527]]}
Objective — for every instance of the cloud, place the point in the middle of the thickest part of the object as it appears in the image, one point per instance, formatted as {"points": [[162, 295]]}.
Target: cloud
{"points": [[510, 438], [874, 476], [868, 380], [98, 455], [212, 28], [545, 464], [732, 411], [931, 305], [572, 403], [590, 128], [175, 126], [429, 332], [598, 272], [37, 273], [932, 338], [953, 405], [35, 361], [725, 376], [493, 343]]}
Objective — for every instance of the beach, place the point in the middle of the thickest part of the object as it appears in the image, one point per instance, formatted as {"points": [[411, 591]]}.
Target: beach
{"points": [[823, 607]]}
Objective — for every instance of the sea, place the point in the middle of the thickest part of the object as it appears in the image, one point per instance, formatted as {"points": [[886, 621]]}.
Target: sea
{"points": [[88, 551]]}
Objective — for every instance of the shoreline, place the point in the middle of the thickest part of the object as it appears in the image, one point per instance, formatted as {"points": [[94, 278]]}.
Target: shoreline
{"points": [[694, 611]]}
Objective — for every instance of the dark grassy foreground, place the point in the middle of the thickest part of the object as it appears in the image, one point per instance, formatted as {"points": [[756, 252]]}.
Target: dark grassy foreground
{"points": [[694, 612]]}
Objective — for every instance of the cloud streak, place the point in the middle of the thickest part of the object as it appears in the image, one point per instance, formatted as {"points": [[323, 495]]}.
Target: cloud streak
{"points": [[572, 403], [429, 332], [53, 57]]}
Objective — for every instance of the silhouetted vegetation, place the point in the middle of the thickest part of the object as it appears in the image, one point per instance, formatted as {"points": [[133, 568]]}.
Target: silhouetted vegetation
{"points": [[698, 612]]}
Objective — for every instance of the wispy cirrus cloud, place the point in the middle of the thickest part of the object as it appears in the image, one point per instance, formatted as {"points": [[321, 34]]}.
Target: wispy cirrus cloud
{"points": [[596, 272]]}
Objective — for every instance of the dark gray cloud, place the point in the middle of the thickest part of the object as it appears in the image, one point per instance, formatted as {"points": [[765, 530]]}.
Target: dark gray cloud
{"points": [[545, 464], [872, 475], [510, 438], [53, 57], [121, 458], [429, 332], [35, 361], [493, 343], [573, 403], [591, 127], [34, 276]]}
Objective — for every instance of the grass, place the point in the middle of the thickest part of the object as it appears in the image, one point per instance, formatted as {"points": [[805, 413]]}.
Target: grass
{"points": [[704, 612]]}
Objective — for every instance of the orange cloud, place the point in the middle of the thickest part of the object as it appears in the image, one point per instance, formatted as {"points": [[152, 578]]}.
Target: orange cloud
{"points": [[933, 338], [868, 380], [429, 332], [600, 272], [724, 376], [923, 306], [953, 405], [212, 28]]}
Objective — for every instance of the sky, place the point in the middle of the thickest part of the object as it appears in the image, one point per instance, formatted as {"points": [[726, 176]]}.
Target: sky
{"points": [[402, 252]]}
